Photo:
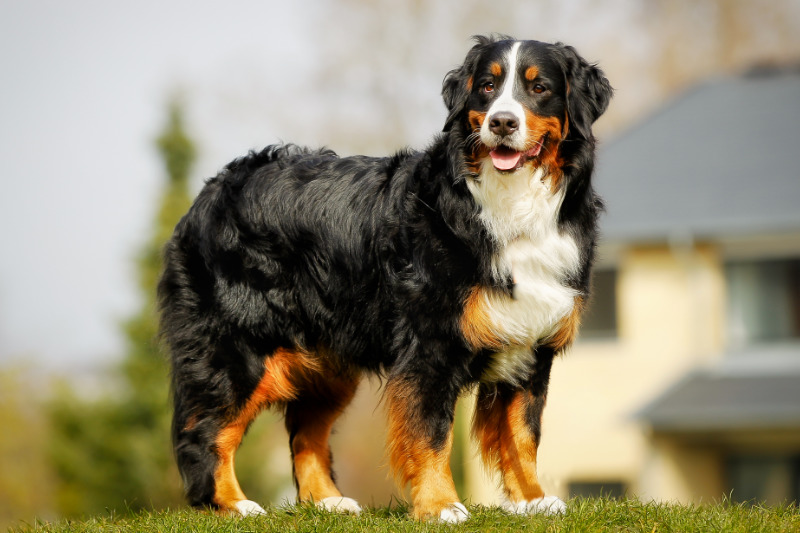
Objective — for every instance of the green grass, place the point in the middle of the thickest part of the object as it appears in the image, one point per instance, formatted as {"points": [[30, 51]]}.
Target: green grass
{"points": [[584, 515]]}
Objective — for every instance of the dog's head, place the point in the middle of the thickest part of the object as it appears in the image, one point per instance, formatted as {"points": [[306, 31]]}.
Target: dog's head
{"points": [[516, 101]]}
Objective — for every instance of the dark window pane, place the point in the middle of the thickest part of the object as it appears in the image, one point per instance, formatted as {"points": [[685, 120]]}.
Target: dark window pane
{"points": [[600, 319], [763, 479], [763, 301], [596, 489]]}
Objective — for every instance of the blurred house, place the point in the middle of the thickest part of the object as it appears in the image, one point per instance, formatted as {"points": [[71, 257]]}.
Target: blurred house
{"points": [[685, 382]]}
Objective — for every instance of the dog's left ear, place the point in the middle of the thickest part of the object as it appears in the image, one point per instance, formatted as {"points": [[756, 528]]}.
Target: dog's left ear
{"points": [[458, 82], [589, 91]]}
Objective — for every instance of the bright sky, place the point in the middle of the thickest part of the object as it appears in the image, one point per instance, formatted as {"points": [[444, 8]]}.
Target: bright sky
{"points": [[84, 86], [84, 91]]}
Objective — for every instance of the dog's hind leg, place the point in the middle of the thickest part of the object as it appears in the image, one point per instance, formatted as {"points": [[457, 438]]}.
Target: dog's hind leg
{"points": [[284, 373], [205, 445], [309, 420], [228, 494]]}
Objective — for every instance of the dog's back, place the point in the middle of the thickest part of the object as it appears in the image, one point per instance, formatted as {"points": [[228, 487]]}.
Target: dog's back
{"points": [[288, 251]]}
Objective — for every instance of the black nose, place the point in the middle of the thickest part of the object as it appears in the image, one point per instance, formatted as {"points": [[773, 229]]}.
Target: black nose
{"points": [[503, 123]]}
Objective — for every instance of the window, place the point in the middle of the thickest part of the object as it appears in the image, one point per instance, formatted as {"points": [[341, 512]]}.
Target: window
{"points": [[771, 480], [597, 489], [600, 319], [763, 301]]}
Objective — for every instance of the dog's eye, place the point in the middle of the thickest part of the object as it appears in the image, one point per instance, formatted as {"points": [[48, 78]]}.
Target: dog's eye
{"points": [[488, 87], [539, 88]]}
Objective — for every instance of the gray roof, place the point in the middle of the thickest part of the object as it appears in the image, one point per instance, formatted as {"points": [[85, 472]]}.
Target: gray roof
{"points": [[745, 392], [708, 403], [721, 160]]}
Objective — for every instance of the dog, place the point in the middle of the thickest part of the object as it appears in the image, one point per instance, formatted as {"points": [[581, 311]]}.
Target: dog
{"points": [[465, 265]]}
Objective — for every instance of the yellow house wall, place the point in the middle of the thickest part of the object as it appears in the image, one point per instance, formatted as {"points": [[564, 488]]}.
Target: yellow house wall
{"points": [[671, 309]]}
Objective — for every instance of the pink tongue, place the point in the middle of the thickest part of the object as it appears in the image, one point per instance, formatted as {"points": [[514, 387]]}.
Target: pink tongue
{"points": [[533, 152], [504, 158]]}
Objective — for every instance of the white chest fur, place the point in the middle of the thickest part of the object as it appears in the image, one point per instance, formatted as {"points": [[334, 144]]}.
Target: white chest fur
{"points": [[520, 211]]}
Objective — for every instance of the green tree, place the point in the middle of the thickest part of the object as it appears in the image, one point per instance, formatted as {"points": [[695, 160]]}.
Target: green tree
{"points": [[25, 481], [112, 451]]}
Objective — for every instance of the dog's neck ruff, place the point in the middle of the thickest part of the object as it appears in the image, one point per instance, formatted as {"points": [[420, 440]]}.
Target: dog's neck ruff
{"points": [[520, 212]]}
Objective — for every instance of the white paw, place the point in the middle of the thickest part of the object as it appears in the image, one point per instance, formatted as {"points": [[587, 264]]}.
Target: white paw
{"points": [[249, 508], [339, 504], [548, 505], [454, 514]]}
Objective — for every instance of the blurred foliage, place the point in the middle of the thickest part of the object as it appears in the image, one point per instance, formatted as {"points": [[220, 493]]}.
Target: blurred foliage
{"points": [[25, 480], [112, 450]]}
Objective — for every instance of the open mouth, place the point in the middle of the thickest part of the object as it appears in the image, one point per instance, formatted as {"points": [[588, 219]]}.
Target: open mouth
{"points": [[508, 159]]}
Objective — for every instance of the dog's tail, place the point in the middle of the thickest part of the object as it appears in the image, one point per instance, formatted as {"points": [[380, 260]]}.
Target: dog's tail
{"points": [[196, 419]]}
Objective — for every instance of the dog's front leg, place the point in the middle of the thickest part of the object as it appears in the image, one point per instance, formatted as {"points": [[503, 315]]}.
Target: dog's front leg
{"points": [[507, 424], [420, 438]]}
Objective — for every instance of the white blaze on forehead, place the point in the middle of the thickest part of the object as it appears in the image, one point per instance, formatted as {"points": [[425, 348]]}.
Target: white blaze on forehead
{"points": [[506, 103], [506, 98]]}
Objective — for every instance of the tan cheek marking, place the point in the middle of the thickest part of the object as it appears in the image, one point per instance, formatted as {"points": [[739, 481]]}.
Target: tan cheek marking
{"points": [[531, 73], [476, 119], [479, 150], [538, 128]]}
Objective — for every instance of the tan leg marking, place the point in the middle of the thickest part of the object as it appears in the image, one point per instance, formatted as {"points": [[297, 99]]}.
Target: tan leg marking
{"points": [[313, 419], [508, 444], [414, 461], [283, 371]]}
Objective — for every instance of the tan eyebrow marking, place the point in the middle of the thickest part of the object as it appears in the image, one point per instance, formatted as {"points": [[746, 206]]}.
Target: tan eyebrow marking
{"points": [[531, 73], [496, 69]]}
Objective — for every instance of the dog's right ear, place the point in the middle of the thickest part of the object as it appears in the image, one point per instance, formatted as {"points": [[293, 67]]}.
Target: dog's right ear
{"points": [[457, 83]]}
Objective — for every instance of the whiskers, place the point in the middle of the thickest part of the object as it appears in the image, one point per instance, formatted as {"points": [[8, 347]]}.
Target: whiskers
{"points": [[473, 142], [549, 149]]}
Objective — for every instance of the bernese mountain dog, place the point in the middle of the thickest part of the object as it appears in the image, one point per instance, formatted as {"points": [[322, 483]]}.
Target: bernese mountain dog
{"points": [[462, 266]]}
